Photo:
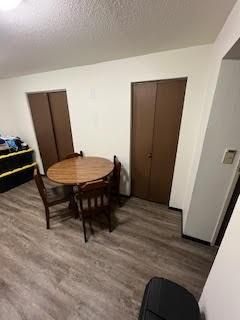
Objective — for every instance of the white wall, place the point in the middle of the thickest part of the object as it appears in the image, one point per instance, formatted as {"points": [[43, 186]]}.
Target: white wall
{"points": [[207, 188], [220, 297], [99, 100], [8, 123], [223, 133]]}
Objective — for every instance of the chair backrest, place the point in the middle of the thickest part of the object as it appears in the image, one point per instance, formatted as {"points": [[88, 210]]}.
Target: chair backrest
{"points": [[95, 194], [40, 184], [74, 155], [116, 172]]}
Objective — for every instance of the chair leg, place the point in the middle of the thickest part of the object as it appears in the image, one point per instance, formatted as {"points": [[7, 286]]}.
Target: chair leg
{"points": [[73, 205], [47, 217], [119, 200], [90, 225], [108, 214], [71, 202], [84, 228]]}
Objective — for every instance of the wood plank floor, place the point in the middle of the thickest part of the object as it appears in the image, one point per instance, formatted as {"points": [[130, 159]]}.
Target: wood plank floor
{"points": [[53, 274]]}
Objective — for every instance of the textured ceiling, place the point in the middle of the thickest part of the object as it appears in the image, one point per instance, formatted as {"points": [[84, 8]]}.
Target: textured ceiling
{"points": [[51, 34]]}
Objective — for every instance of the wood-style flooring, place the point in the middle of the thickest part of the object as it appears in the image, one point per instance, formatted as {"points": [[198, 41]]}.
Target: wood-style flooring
{"points": [[53, 274]]}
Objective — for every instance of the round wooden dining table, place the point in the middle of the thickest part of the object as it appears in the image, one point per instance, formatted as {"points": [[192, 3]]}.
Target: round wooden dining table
{"points": [[79, 170]]}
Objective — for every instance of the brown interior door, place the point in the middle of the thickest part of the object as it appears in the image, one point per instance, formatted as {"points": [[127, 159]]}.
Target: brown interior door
{"points": [[156, 119], [41, 115], [61, 123], [167, 121], [143, 108]]}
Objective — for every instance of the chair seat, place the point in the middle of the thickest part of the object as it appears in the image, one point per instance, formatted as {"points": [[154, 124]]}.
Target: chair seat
{"points": [[59, 193], [94, 198], [54, 196]]}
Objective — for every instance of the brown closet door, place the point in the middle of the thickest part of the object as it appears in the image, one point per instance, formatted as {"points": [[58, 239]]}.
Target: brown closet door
{"points": [[61, 123], [144, 96], [167, 121], [42, 121]]}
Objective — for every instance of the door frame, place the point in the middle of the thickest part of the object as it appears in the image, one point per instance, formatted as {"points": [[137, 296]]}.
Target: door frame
{"points": [[131, 123], [226, 203]]}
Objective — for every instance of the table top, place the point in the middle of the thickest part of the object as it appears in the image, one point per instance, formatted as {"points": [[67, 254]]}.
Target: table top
{"points": [[79, 170]]}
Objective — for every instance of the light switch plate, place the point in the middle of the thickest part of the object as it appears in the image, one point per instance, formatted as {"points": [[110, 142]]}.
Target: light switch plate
{"points": [[229, 156]]}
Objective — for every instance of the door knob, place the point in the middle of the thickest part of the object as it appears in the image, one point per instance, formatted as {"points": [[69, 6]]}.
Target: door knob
{"points": [[150, 155]]}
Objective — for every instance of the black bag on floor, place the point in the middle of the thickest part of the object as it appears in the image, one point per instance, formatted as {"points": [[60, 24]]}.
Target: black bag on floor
{"points": [[165, 300]]}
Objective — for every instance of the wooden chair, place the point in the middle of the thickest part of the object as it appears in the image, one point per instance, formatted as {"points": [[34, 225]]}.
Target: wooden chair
{"points": [[70, 156], [115, 180], [94, 198], [74, 154], [54, 196]]}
